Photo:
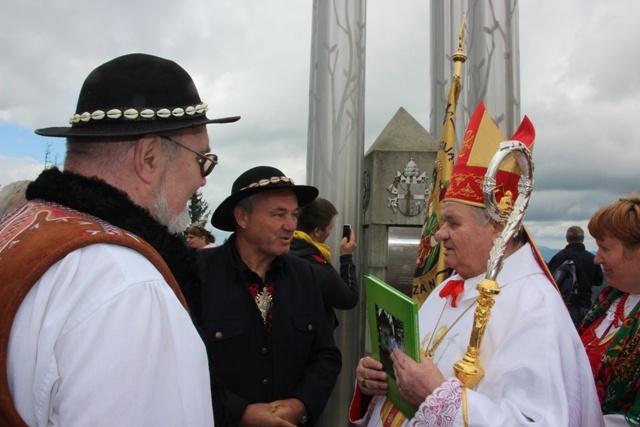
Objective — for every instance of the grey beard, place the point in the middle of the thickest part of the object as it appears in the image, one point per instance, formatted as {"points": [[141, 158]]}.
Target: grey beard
{"points": [[179, 223], [175, 224]]}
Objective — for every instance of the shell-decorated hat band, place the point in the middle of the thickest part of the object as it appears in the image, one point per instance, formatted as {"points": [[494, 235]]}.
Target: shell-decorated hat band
{"points": [[131, 114], [269, 181]]}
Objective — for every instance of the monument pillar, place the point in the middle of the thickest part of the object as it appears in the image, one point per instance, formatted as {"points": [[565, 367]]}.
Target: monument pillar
{"points": [[335, 151], [492, 73]]}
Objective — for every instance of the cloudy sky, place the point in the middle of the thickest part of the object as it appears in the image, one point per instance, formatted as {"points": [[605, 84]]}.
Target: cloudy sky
{"points": [[579, 76]]}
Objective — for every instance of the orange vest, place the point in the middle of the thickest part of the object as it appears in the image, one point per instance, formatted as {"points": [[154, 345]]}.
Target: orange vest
{"points": [[34, 238]]}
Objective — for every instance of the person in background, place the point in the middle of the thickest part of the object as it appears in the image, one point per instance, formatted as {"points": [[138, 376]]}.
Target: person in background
{"points": [[12, 195], [535, 369], [588, 274], [95, 327], [199, 237], [609, 331], [263, 319], [315, 224]]}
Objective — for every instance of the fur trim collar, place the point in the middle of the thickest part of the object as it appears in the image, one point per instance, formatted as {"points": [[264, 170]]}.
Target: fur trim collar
{"points": [[96, 197]]}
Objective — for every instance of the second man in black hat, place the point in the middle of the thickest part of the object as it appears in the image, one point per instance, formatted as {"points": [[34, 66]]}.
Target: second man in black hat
{"points": [[264, 325]]}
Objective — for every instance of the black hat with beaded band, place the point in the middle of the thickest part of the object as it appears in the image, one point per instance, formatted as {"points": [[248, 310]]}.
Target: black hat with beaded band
{"points": [[257, 180], [134, 95]]}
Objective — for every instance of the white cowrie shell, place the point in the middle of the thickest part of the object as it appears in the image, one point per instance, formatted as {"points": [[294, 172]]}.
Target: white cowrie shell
{"points": [[97, 115], [147, 113], [131, 114], [114, 113], [163, 113]]}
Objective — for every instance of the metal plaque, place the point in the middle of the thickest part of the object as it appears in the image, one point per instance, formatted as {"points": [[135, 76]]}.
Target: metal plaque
{"points": [[402, 253]]}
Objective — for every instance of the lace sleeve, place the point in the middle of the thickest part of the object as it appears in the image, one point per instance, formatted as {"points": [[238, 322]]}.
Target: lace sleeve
{"points": [[440, 407]]}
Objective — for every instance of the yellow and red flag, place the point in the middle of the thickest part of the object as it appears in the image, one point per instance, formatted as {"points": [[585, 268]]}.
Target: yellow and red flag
{"points": [[430, 269]]}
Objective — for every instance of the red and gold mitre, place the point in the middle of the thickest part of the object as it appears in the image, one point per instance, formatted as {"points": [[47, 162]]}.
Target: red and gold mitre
{"points": [[481, 141]]}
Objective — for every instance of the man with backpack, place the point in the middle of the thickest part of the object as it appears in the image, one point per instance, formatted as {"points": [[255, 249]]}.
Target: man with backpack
{"points": [[576, 294]]}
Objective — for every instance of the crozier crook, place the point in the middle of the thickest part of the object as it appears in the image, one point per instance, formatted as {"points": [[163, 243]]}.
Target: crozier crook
{"points": [[468, 369]]}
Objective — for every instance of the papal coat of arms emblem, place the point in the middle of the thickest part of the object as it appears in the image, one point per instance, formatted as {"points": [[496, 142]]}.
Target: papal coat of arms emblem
{"points": [[410, 190]]}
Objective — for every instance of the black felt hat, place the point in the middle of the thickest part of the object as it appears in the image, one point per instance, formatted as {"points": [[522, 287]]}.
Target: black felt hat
{"points": [[135, 95], [257, 180]]}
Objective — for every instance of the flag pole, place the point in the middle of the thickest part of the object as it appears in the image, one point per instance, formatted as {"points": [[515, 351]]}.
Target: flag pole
{"points": [[430, 269], [459, 58]]}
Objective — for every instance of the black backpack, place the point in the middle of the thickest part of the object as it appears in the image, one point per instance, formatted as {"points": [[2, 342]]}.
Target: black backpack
{"points": [[566, 279]]}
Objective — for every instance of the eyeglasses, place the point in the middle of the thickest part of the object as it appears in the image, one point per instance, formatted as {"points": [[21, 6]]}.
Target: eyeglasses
{"points": [[206, 161]]}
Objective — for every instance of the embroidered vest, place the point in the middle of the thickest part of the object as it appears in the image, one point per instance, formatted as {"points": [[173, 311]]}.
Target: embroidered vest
{"points": [[32, 239]]}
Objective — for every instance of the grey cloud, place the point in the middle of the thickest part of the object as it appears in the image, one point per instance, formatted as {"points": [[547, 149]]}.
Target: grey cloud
{"points": [[579, 83]]}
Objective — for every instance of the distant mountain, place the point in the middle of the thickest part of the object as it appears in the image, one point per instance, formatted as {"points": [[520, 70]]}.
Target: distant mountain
{"points": [[547, 253]]}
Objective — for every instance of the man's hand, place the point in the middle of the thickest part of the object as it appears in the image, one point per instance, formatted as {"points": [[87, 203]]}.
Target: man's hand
{"points": [[348, 247], [370, 376], [262, 414], [291, 410], [415, 380]]}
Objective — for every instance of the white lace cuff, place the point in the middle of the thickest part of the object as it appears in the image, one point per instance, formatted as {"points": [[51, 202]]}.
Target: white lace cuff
{"points": [[441, 406]]}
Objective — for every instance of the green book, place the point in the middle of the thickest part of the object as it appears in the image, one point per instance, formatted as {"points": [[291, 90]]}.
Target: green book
{"points": [[393, 323]]}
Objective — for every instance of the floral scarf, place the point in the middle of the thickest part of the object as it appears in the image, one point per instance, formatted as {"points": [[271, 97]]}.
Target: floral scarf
{"points": [[617, 374]]}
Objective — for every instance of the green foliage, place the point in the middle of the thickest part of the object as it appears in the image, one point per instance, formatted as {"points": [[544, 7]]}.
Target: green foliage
{"points": [[199, 209]]}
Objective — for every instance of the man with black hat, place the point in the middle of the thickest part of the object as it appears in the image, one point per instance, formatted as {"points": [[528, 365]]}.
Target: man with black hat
{"points": [[95, 329], [263, 318]]}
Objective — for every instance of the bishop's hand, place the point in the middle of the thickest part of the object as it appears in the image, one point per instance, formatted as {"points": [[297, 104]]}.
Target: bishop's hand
{"points": [[415, 380]]}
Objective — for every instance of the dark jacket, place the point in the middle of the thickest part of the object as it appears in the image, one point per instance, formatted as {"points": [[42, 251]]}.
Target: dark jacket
{"points": [[588, 273], [338, 290], [301, 360]]}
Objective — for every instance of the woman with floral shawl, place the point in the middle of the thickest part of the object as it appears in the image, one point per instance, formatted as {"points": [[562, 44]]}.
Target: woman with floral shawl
{"points": [[609, 331]]}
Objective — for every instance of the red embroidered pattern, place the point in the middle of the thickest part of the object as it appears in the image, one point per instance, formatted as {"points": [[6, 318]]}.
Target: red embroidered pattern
{"points": [[441, 406], [29, 216]]}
